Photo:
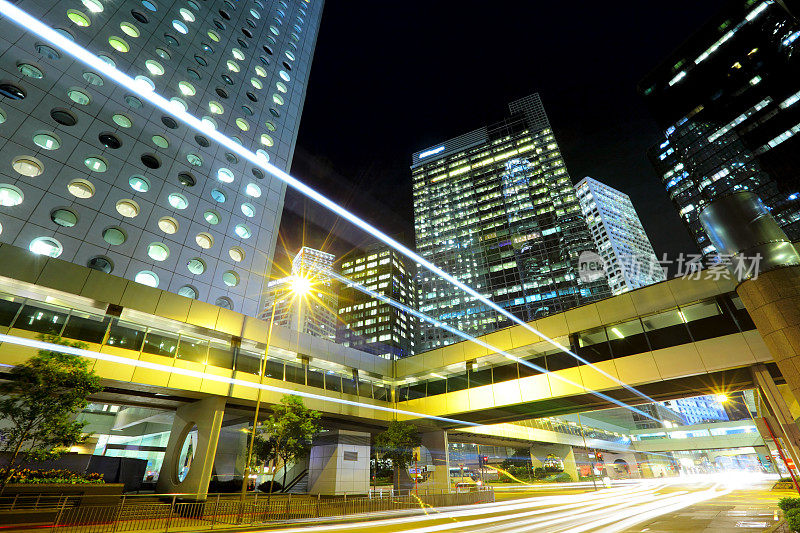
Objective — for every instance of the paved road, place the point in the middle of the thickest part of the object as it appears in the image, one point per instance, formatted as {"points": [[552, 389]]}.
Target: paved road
{"points": [[672, 505]]}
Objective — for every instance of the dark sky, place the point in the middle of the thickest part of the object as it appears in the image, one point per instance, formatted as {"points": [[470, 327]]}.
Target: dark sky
{"points": [[390, 78]]}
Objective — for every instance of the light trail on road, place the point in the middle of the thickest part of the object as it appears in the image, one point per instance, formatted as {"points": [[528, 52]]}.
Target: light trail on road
{"points": [[606, 511]]}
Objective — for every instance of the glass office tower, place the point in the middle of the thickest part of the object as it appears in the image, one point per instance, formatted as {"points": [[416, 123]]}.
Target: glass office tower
{"points": [[630, 261], [92, 174], [496, 208], [312, 311], [367, 323], [727, 100]]}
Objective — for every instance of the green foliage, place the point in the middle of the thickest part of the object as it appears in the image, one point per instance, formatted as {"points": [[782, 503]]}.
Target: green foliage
{"points": [[40, 401], [397, 443], [539, 473], [562, 477], [793, 518], [288, 432], [34, 476], [788, 503], [265, 448]]}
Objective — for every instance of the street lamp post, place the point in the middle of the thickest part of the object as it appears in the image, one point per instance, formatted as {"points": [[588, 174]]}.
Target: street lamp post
{"points": [[300, 287]]}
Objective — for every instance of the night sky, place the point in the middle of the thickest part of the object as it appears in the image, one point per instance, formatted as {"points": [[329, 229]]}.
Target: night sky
{"points": [[390, 78]]}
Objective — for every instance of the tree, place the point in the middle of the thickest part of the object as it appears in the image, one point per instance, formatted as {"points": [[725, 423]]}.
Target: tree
{"points": [[289, 431], [397, 443], [40, 401]]}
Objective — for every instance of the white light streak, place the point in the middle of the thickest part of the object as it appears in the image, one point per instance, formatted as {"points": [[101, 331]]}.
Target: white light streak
{"points": [[41, 345], [36, 26]]}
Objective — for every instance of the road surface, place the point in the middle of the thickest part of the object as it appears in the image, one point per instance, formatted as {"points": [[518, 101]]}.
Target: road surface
{"points": [[678, 504]]}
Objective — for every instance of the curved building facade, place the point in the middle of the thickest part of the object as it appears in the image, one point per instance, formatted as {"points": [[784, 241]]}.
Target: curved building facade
{"points": [[92, 174]]}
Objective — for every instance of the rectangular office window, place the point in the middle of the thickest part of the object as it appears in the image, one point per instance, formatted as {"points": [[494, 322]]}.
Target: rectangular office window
{"points": [[86, 327], [192, 349], [8, 310], [742, 316], [296, 373], [381, 393], [220, 354], [402, 393], [560, 360], [627, 338], [480, 378], [457, 382], [364, 389], [436, 386], [273, 369], [666, 329], [125, 335], [706, 320], [593, 345], [160, 343], [506, 372], [537, 360], [249, 362], [417, 390], [349, 386], [41, 318], [333, 382], [315, 377]]}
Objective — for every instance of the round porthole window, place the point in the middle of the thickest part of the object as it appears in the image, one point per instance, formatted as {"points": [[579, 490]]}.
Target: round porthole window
{"points": [[128, 208], [27, 166], [204, 240], [158, 251], [81, 188], [64, 217], [168, 225], [114, 236], [236, 254], [101, 263], [186, 455], [188, 291], [196, 266], [10, 195], [46, 246], [147, 277], [230, 278], [139, 183]]}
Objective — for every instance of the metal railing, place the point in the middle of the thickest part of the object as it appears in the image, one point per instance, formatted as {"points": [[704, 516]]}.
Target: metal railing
{"points": [[165, 513]]}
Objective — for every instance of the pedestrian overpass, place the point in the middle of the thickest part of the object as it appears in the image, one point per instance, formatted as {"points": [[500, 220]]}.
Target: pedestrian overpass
{"points": [[156, 349]]}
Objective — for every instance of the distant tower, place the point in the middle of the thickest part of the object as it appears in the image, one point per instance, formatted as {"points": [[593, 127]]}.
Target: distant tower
{"points": [[313, 313], [93, 174], [619, 236], [367, 323], [495, 208]]}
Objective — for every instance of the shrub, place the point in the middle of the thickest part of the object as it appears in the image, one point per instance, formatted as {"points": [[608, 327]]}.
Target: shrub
{"points": [[562, 477], [232, 485], [539, 473], [40, 477], [788, 503], [270, 486], [793, 518]]}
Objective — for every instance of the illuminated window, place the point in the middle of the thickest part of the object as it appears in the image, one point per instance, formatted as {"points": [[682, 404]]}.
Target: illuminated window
{"points": [[204, 240], [31, 71], [253, 190], [214, 36], [278, 99], [158, 251], [242, 231], [211, 217], [284, 75], [238, 54], [114, 236], [81, 188], [95, 164], [196, 266], [94, 6], [122, 121], [261, 71], [28, 166], [119, 44], [180, 27], [168, 225], [64, 217], [154, 67], [215, 107], [46, 246], [266, 140], [248, 210], [147, 277], [255, 82], [178, 201], [188, 291], [10, 195], [93, 78], [144, 83], [218, 195], [78, 18], [242, 124], [236, 254], [78, 96], [230, 278], [129, 29], [225, 175], [187, 89], [127, 208], [47, 140]]}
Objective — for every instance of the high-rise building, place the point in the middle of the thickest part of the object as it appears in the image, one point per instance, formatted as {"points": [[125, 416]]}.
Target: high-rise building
{"points": [[727, 100], [94, 174], [312, 309], [698, 410], [495, 207], [630, 261], [368, 323]]}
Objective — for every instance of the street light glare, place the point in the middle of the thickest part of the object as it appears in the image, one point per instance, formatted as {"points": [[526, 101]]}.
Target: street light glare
{"points": [[721, 398], [301, 285]]}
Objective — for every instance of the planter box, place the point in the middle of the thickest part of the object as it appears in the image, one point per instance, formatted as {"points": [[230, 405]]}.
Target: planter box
{"points": [[32, 504]]}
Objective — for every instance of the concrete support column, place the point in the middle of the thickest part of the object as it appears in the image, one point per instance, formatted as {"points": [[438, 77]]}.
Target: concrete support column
{"points": [[781, 422], [339, 463], [435, 442], [539, 453], [207, 416]]}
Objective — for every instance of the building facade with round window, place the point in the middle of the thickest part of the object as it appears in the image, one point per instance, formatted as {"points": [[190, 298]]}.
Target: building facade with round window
{"points": [[91, 173]]}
